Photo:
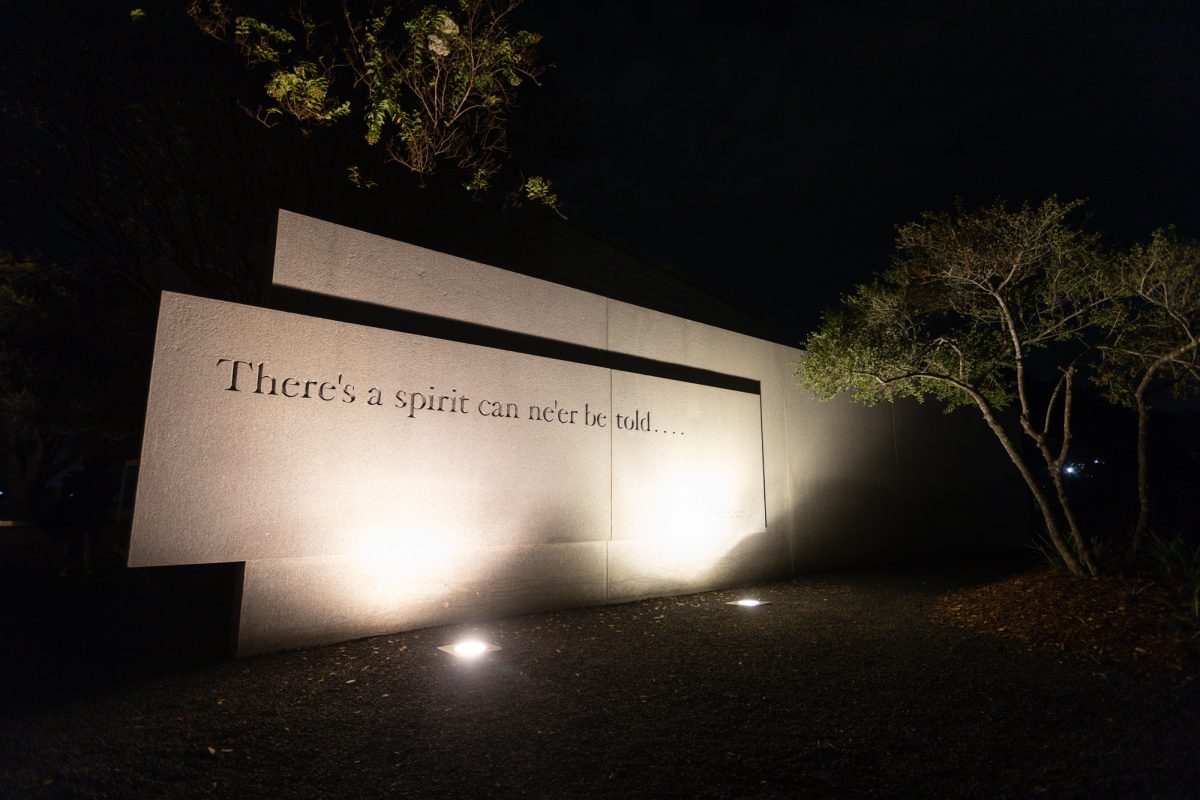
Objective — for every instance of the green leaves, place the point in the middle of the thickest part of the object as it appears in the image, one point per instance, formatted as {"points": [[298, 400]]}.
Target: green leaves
{"points": [[303, 92], [971, 295], [537, 190], [432, 89], [1023, 268], [259, 41], [971, 299], [879, 347], [1154, 317]]}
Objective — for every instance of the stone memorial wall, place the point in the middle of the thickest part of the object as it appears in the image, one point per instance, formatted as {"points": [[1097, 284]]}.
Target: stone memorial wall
{"points": [[412, 439]]}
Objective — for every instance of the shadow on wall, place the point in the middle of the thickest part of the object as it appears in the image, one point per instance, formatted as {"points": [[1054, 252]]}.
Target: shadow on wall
{"points": [[683, 564], [391, 584], [856, 523], [843, 475], [961, 492], [878, 484], [299, 602]]}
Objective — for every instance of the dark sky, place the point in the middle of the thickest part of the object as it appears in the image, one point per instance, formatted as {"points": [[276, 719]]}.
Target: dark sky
{"points": [[767, 150], [764, 150]]}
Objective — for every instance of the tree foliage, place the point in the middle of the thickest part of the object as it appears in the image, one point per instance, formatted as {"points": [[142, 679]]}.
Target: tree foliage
{"points": [[430, 87], [971, 300], [979, 306], [1155, 316]]}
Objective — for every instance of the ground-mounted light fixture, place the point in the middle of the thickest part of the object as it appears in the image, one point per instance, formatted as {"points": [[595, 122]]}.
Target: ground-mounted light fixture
{"points": [[748, 602], [469, 649]]}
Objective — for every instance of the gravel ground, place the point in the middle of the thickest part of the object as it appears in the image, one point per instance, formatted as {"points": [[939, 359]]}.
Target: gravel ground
{"points": [[846, 685]]}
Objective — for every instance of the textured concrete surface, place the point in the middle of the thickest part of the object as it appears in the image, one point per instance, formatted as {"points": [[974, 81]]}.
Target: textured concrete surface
{"points": [[491, 443]]}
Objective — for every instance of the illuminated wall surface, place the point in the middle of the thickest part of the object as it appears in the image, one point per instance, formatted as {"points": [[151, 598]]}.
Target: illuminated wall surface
{"points": [[433, 440]]}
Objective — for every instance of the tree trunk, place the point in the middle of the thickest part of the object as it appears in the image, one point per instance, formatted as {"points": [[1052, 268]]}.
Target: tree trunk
{"points": [[1055, 466], [1143, 476], [1143, 449], [1044, 505], [1064, 502], [19, 489]]}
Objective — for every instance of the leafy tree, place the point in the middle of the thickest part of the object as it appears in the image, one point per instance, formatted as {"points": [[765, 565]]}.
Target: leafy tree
{"points": [[969, 303], [138, 165], [431, 87], [55, 400], [1156, 324]]}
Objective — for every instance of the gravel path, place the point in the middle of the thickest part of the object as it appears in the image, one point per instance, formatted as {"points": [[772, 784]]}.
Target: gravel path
{"points": [[844, 686]]}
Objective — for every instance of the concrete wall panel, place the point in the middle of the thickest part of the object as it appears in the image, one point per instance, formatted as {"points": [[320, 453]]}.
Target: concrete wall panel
{"points": [[299, 602], [687, 460], [358, 518], [844, 479], [664, 566], [318, 256], [960, 490], [239, 475]]}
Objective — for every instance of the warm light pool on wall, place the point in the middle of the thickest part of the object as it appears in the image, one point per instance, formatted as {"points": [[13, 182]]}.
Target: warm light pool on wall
{"points": [[469, 649], [748, 602]]}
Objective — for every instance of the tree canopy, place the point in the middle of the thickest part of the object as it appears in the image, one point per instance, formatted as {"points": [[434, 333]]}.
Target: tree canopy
{"points": [[980, 307], [429, 85], [1155, 316]]}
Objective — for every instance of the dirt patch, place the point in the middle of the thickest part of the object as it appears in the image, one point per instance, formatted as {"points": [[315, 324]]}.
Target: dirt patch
{"points": [[1138, 623]]}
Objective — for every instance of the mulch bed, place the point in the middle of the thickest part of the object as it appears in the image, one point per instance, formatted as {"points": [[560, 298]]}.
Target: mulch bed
{"points": [[848, 685], [1138, 623]]}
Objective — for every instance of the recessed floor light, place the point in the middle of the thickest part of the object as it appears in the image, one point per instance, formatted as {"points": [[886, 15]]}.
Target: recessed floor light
{"points": [[748, 602], [469, 648]]}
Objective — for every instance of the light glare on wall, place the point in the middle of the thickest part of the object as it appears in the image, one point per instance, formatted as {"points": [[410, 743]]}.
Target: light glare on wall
{"points": [[748, 602]]}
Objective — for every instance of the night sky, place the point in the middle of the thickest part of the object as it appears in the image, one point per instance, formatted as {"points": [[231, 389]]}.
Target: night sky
{"points": [[767, 150], [764, 151]]}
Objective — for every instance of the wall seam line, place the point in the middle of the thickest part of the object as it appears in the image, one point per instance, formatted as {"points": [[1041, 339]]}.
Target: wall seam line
{"points": [[608, 544]]}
